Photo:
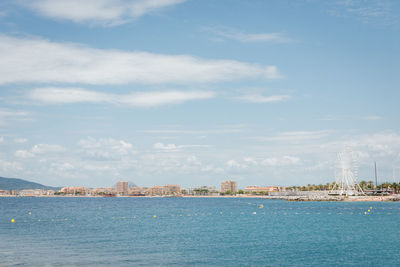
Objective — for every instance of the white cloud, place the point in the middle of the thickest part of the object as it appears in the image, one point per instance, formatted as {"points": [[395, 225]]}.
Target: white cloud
{"points": [[367, 11], [105, 148], [39, 149], [169, 147], [139, 99], [328, 118], [282, 161], [380, 144], [99, 12], [249, 163], [10, 167], [148, 99], [52, 95], [233, 164], [94, 160], [193, 160], [24, 154], [20, 140], [366, 8], [1, 139], [40, 61], [223, 129], [174, 147], [47, 148], [8, 113], [229, 33], [64, 169], [296, 136], [263, 99]]}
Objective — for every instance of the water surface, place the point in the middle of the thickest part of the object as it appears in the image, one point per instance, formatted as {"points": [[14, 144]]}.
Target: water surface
{"points": [[193, 231]]}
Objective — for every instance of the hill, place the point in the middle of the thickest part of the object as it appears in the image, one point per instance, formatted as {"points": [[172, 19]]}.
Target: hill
{"points": [[20, 184]]}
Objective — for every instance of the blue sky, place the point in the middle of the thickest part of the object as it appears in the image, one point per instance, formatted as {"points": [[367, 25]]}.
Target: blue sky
{"points": [[194, 92]]}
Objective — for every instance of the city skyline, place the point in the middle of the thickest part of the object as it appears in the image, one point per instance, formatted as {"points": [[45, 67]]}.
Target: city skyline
{"points": [[195, 92]]}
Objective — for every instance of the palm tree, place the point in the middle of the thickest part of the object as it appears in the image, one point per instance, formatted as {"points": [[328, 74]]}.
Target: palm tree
{"points": [[333, 185], [370, 184], [395, 187], [363, 184], [327, 186]]}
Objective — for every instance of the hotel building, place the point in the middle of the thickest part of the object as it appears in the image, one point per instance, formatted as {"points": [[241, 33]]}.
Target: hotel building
{"points": [[229, 186], [121, 187]]}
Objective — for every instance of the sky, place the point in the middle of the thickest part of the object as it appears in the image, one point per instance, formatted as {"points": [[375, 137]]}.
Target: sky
{"points": [[193, 92]]}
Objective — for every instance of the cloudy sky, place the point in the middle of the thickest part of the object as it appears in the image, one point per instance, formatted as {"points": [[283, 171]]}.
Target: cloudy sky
{"points": [[193, 92]]}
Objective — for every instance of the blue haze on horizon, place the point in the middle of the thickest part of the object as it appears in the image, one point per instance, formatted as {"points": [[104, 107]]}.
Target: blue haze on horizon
{"points": [[193, 92]]}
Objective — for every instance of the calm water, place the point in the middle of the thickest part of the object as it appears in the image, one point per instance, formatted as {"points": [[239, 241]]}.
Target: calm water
{"points": [[212, 232]]}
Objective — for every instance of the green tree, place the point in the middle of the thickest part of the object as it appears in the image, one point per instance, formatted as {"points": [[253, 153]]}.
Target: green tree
{"points": [[229, 192], [363, 184], [327, 186], [370, 184], [395, 187]]}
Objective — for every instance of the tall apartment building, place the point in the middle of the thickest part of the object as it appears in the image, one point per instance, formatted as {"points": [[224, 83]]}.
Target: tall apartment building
{"points": [[121, 187], [229, 186]]}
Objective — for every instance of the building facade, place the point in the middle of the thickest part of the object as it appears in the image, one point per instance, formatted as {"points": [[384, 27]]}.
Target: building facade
{"points": [[75, 190], [155, 191], [254, 188], [228, 186], [137, 191], [121, 187], [171, 189]]}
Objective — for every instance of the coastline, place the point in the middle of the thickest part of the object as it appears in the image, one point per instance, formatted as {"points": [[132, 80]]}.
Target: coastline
{"points": [[390, 198]]}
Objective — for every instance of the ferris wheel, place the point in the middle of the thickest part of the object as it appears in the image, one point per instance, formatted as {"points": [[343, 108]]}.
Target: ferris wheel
{"points": [[346, 174]]}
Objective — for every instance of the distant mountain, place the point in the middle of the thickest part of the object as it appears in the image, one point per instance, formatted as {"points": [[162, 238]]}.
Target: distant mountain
{"points": [[131, 184], [19, 184]]}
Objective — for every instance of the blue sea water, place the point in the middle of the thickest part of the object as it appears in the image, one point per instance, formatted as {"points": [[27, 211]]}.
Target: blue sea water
{"points": [[193, 231]]}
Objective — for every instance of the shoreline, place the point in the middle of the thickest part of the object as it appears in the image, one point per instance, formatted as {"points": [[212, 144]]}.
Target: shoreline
{"points": [[390, 198]]}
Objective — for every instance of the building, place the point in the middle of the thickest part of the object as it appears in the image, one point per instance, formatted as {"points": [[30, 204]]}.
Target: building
{"points": [[203, 191], [121, 187], [75, 190], [254, 188], [103, 191], [229, 186], [137, 191], [31, 192], [171, 189], [155, 191]]}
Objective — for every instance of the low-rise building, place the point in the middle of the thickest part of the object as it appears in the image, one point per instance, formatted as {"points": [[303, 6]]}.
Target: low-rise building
{"points": [[75, 190], [254, 188], [171, 189], [155, 191], [31, 192], [49, 192], [203, 191], [102, 191], [137, 191]]}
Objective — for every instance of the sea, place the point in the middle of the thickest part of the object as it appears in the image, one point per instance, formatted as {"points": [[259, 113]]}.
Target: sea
{"points": [[123, 231]]}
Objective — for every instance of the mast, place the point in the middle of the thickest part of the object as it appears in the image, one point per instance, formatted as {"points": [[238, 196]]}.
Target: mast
{"points": [[376, 177]]}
